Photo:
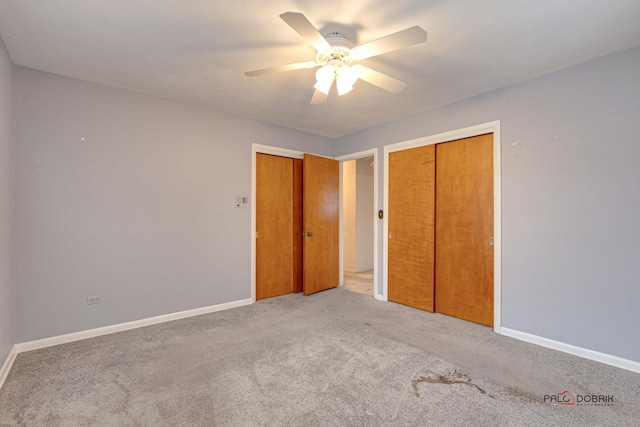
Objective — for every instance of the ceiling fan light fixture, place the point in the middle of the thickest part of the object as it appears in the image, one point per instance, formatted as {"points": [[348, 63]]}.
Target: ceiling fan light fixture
{"points": [[343, 88], [345, 79], [325, 77], [350, 74]]}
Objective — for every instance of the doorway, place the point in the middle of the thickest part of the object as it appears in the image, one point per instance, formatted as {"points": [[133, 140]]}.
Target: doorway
{"points": [[358, 213], [357, 205]]}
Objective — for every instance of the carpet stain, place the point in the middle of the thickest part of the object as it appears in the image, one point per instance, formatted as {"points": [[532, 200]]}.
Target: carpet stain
{"points": [[520, 395], [454, 377]]}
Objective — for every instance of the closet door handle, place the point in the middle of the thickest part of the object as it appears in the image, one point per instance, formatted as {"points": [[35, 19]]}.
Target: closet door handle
{"points": [[309, 234]]}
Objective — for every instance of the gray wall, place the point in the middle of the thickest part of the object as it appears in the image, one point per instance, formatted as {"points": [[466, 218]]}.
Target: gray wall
{"points": [[6, 206], [570, 198], [364, 215], [130, 197]]}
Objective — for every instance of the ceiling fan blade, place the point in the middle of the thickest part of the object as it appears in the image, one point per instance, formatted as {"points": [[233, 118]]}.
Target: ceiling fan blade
{"points": [[280, 68], [404, 38], [302, 26], [319, 97], [383, 81]]}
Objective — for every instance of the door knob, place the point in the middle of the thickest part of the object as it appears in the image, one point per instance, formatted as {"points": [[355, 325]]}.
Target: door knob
{"points": [[309, 233]]}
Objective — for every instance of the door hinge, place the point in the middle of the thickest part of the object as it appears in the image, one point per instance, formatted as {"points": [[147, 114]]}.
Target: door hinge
{"points": [[491, 241], [256, 234]]}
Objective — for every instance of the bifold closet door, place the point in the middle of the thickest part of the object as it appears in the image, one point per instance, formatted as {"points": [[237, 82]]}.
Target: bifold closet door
{"points": [[464, 229], [411, 227], [274, 226]]}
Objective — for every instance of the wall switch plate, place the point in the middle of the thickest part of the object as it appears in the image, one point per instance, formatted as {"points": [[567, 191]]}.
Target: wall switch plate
{"points": [[96, 299], [242, 202]]}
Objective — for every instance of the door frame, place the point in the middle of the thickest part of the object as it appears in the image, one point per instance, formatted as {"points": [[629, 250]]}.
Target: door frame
{"points": [[481, 129], [355, 156]]}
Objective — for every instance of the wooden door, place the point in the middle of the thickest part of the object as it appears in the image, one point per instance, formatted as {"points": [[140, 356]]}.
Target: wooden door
{"points": [[320, 223], [297, 226], [464, 227], [274, 226], [411, 227]]}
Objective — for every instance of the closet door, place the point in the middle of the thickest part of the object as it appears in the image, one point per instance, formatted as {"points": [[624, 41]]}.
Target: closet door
{"points": [[274, 226], [297, 226], [464, 229], [411, 227]]}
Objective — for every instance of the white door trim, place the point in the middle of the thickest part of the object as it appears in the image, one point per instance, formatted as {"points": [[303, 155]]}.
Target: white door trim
{"points": [[490, 127], [354, 156]]}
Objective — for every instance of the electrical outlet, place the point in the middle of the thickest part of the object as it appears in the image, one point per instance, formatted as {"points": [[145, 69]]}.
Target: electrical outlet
{"points": [[96, 299]]}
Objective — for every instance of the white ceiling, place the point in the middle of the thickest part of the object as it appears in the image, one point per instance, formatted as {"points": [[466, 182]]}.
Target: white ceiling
{"points": [[196, 51]]}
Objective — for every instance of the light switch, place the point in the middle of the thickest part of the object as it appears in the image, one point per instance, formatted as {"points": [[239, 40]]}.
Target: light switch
{"points": [[242, 202]]}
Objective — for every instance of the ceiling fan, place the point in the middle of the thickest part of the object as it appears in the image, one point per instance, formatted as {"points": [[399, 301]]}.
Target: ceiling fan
{"points": [[335, 56]]}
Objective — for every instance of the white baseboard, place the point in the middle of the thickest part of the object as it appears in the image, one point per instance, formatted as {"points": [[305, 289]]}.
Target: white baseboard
{"points": [[77, 336], [616, 361], [8, 363], [379, 297]]}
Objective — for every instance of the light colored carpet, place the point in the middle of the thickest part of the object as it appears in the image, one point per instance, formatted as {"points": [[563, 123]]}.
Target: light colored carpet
{"points": [[336, 358], [359, 282]]}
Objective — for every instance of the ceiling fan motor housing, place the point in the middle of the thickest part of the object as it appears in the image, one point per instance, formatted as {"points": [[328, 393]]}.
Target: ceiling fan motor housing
{"points": [[340, 52]]}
